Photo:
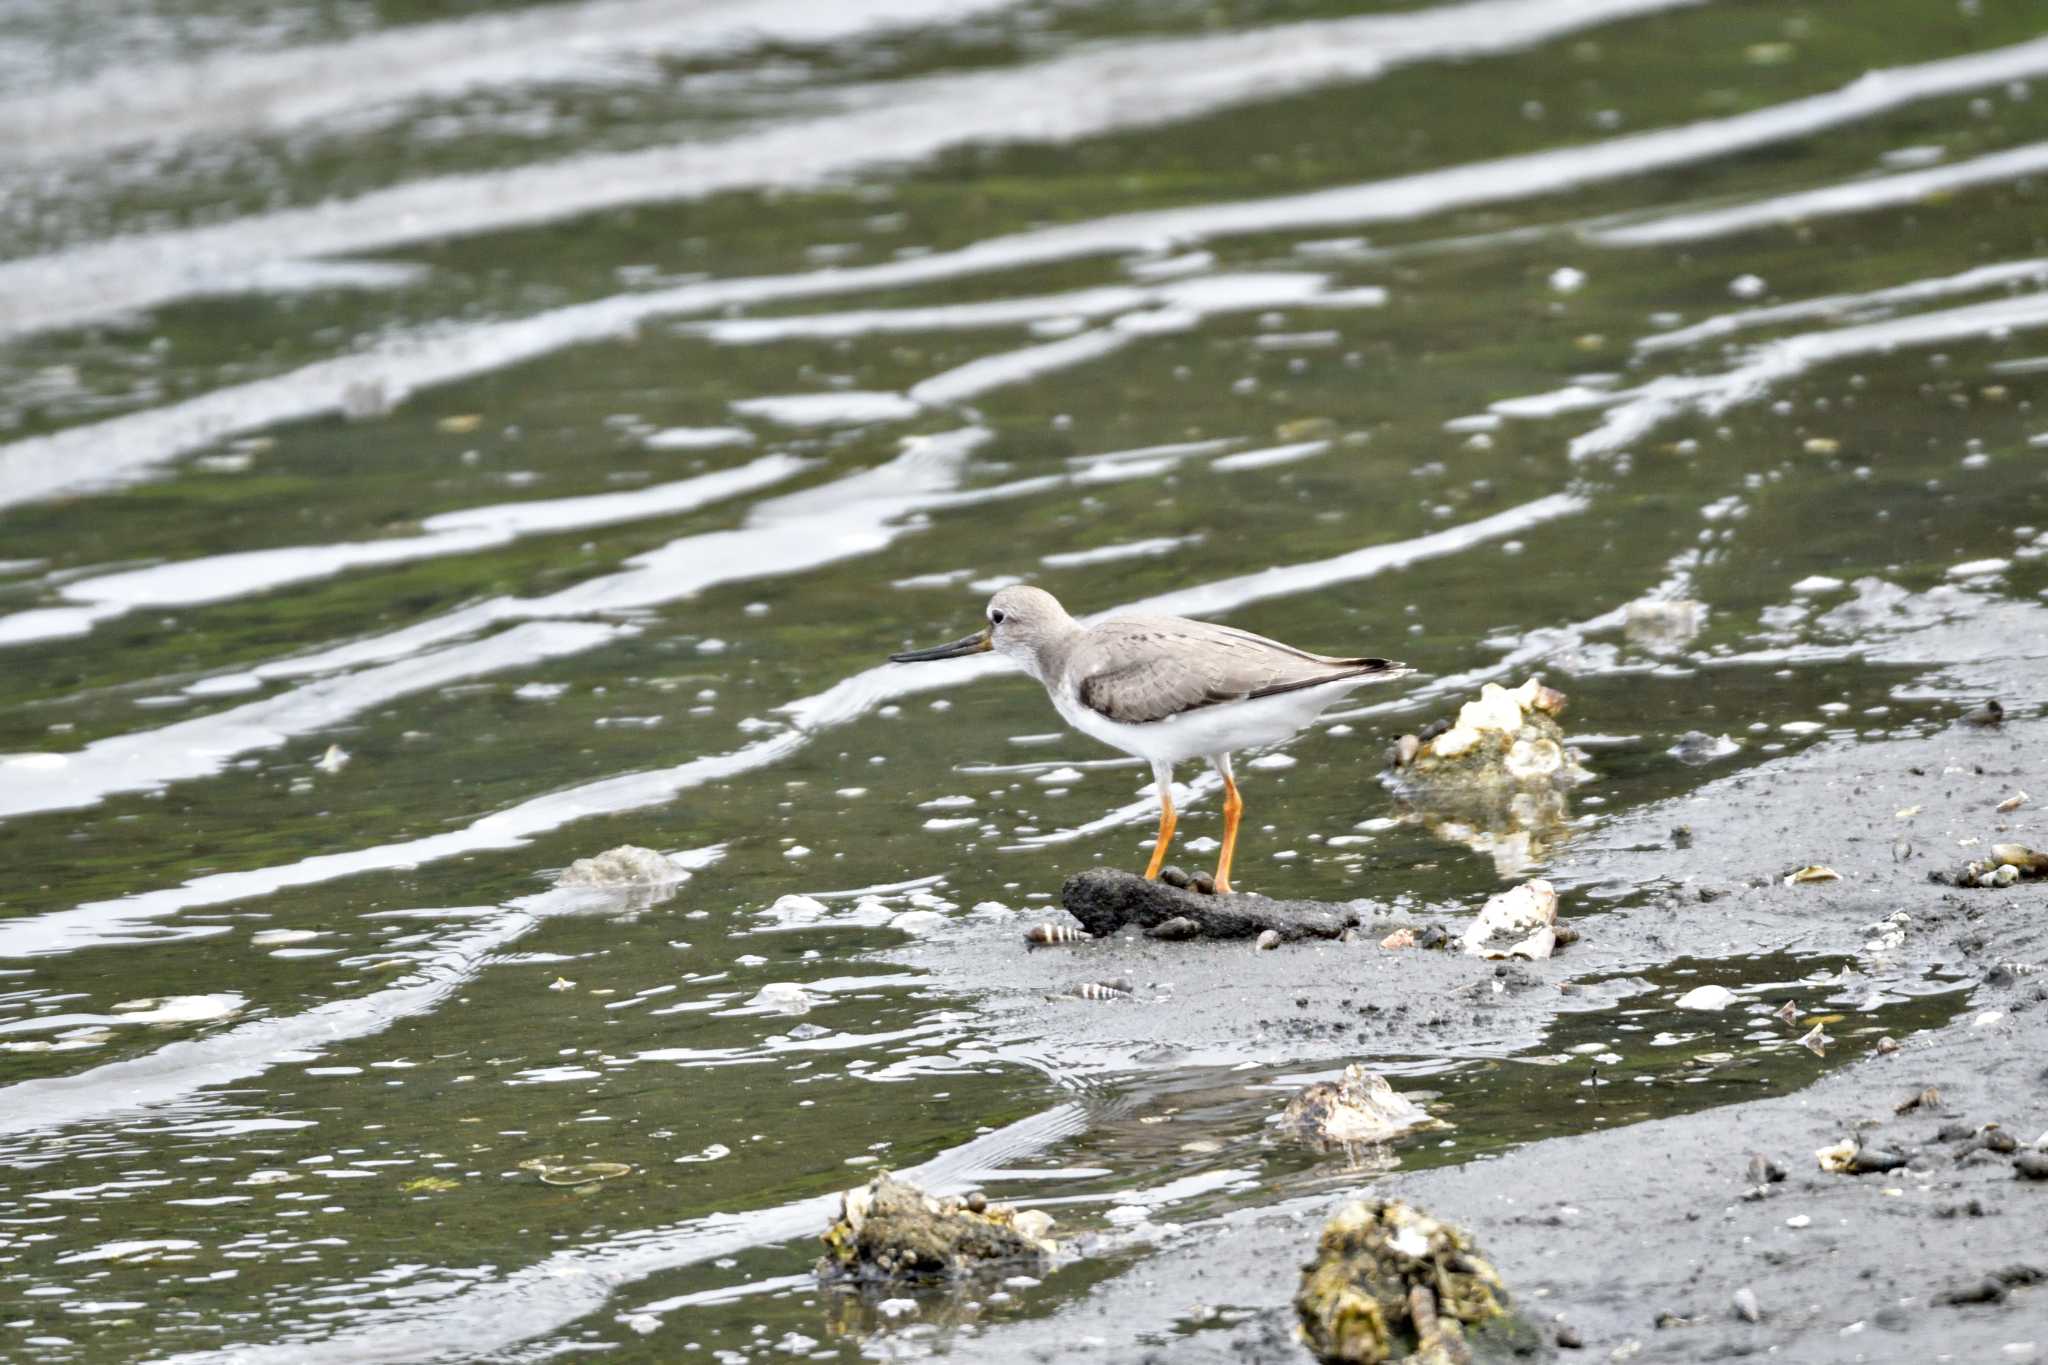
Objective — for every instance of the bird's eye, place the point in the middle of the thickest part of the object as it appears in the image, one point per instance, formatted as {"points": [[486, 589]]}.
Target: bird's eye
{"points": [[995, 618]]}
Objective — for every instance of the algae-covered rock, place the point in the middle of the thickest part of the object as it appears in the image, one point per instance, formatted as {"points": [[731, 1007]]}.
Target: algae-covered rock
{"points": [[890, 1230], [1359, 1106], [1391, 1283]]}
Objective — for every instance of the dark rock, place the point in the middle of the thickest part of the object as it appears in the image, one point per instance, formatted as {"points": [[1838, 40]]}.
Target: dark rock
{"points": [[1104, 900], [1989, 1289], [1432, 936], [1764, 1171], [1568, 1337], [1876, 1160], [1989, 714]]}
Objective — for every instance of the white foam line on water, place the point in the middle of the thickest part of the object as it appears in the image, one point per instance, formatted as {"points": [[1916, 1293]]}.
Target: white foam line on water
{"points": [[1859, 196], [220, 578], [238, 94], [1110, 554], [204, 745], [1103, 302], [2003, 275], [119, 449], [120, 920], [1019, 366], [460, 1317], [128, 919], [1634, 412], [1099, 89], [1271, 455], [850, 516], [177, 1071]]}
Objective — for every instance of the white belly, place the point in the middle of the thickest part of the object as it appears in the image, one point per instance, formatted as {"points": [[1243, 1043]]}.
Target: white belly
{"points": [[1210, 729]]}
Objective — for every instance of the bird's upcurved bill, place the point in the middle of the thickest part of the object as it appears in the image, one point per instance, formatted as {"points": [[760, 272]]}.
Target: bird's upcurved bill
{"points": [[978, 643]]}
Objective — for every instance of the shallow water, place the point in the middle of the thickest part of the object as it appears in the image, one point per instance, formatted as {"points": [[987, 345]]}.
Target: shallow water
{"points": [[441, 443]]}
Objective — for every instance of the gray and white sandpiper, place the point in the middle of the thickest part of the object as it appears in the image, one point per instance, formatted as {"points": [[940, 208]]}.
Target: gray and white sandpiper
{"points": [[1166, 689]]}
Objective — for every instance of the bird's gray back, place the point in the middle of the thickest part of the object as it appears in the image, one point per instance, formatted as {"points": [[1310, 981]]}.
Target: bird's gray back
{"points": [[1136, 669]]}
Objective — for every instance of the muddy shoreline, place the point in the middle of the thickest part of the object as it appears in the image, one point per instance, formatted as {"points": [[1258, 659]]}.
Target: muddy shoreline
{"points": [[1638, 1239]]}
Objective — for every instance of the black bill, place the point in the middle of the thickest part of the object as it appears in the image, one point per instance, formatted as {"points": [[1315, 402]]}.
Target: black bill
{"points": [[977, 643]]}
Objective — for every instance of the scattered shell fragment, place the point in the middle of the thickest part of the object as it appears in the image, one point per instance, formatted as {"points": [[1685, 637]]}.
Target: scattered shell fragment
{"points": [[1887, 1045], [334, 760], [1816, 1041], [555, 1170], [1519, 922], [2029, 863], [1706, 998], [1930, 1098], [1815, 872], [1787, 1013], [1179, 929], [1117, 989], [1048, 934], [1268, 940], [1400, 938], [1763, 1170], [2012, 803], [1746, 1306]]}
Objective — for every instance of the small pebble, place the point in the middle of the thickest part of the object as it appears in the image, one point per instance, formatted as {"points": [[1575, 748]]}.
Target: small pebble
{"points": [[1269, 940], [1176, 930], [1887, 1045], [2031, 1165], [1990, 713], [977, 1202], [1746, 1306], [1568, 1337]]}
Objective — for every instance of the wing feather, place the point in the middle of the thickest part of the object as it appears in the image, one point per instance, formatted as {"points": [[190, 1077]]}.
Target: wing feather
{"points": [[1137, 670]]}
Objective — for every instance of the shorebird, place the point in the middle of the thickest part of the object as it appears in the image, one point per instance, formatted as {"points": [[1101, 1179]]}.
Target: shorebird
{"points": [[1166, 689]]}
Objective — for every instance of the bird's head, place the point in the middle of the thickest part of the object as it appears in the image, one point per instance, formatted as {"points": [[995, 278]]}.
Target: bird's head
{"points": [[1022, 623]]}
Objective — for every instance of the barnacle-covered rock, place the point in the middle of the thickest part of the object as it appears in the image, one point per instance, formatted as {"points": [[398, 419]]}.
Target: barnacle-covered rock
{"points": [[1390, 1283], [1509, 738], [888, 1229], [1359, 1106], [1495, 779]]}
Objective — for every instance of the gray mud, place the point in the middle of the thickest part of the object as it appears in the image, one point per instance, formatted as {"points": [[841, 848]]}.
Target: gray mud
{"points": [[1614, 1232]]}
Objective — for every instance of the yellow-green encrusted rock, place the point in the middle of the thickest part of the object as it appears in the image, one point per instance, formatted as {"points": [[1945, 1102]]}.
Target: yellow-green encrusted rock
{"points": [[1391, 1283]]}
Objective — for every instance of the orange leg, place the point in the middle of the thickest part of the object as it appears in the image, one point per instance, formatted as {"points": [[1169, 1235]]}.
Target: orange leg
{"points": [[1233, 811], [1167, 819]]}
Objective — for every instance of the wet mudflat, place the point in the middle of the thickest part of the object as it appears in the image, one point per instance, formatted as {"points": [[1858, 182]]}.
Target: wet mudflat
{"points": [[441, 447]]}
